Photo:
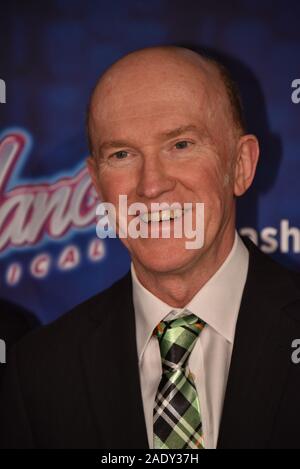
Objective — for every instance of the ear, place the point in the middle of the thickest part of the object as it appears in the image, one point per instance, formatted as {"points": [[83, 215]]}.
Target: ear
{"points": [[246, 162], [93, 170]]}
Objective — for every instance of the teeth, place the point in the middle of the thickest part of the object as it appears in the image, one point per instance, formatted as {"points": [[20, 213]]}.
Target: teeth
{"points": [[178, 213], [165, 215], [162, 215], [154, 216], [145, 217]]}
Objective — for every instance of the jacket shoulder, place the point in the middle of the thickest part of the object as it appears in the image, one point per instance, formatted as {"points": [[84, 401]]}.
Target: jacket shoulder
{"points": [[15, 322], [74, 326], [273, 279]]}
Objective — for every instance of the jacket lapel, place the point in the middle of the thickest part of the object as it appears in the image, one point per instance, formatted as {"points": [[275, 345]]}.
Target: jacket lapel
{"points": [[261, 355], [111, 368]]}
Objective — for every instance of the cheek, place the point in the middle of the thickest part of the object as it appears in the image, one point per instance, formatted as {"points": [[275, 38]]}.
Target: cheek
{"points": [[208, 184], [208, 179], [112, 185]]}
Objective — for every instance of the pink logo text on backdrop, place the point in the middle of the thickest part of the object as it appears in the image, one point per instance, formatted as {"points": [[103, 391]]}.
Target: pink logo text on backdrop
{"points": [[30, 211]]}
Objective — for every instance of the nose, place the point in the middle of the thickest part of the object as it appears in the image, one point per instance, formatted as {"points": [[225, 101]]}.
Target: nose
{"points": [[154, 179]]}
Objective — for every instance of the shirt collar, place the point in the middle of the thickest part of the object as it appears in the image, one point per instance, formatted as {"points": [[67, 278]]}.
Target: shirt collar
{"points": [[217, 302]]}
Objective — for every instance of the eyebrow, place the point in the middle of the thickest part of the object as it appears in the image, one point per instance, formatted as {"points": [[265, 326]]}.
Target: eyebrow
{"points": [[178, 131], [166, 134]]}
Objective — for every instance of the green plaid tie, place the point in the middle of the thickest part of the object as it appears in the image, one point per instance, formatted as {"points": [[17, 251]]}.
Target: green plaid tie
{"points": [[177, 420]]}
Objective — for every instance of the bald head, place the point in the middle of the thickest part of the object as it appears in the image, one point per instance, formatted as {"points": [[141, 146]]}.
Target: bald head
{"points": [[163, 72]]}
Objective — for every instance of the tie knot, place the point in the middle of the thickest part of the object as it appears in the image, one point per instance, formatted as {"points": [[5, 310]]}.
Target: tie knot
{"points": [[177, 339]]}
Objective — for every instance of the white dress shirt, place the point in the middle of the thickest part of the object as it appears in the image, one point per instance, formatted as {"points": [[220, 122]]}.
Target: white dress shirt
{"points": [[217, 303]]}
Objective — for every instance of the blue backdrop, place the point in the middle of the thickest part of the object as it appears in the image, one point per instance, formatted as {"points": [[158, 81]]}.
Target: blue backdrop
{"points": [[51, 54]]}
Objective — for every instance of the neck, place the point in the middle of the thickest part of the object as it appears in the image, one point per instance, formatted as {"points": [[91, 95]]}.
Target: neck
{"points": [[179, 287]]}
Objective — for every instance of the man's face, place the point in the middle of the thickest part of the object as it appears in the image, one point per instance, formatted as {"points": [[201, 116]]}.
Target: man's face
{"points": [[158, 137]]}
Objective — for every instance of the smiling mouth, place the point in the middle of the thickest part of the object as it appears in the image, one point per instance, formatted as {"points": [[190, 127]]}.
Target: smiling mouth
{"points": [[162, 215]]}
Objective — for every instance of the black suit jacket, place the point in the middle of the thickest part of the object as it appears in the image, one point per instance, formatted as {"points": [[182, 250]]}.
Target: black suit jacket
{"points": [[75, 383], [15, 322]]}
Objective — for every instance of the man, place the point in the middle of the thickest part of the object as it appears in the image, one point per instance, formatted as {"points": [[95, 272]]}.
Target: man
{"points": [[15, 322], [192, 348]]}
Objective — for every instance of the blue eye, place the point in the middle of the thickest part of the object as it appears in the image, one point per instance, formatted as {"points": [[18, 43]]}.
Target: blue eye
{"points": [[120, 155], [181, 145]]}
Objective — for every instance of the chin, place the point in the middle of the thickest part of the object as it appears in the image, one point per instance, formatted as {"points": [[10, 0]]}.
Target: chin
{"points": [[164, 255]]}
